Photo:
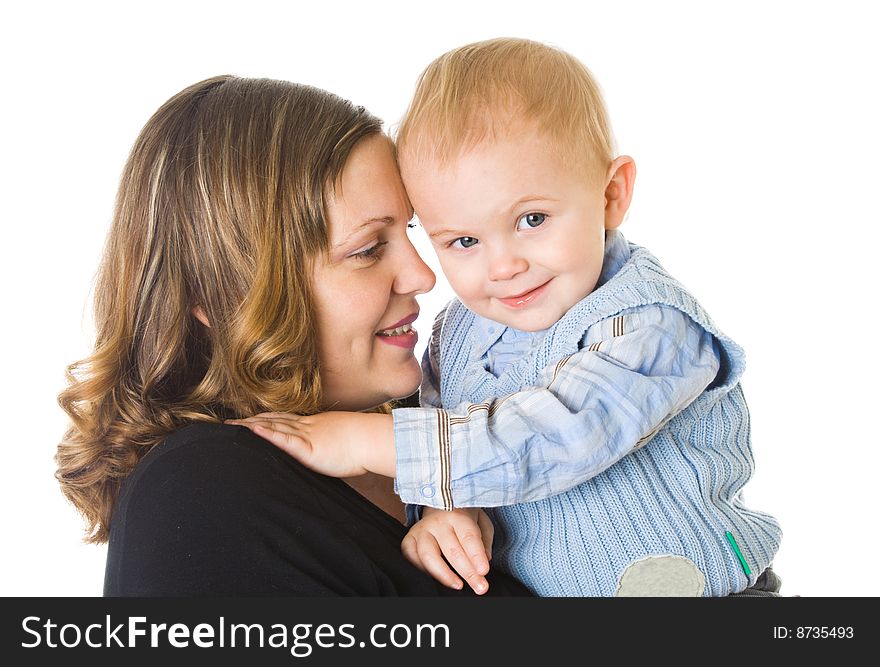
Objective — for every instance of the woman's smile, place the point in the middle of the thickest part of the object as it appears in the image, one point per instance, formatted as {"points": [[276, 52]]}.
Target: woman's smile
{"points": [[402, 333]]}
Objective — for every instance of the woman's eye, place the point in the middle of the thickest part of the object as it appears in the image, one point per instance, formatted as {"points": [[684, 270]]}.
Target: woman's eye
{"points": [[531, 220], [373, 252], [464, 242]]}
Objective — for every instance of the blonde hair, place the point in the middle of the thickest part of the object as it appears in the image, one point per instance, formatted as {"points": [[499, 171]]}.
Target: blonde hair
{"points": [[481, 90], [221, 206]]}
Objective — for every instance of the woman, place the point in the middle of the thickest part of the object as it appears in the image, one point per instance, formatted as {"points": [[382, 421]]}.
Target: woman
{"points": [[258, 261]]}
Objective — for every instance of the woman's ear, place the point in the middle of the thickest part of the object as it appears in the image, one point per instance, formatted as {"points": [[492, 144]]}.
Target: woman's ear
{"points": [[200, 315], [619, 190]]}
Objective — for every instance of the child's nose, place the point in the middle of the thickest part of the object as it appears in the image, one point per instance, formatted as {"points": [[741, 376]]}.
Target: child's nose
{"points": [[505, 266]]}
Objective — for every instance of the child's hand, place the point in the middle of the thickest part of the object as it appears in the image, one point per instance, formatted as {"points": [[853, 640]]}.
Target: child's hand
{"points": [[463, 536], [339, 444]]}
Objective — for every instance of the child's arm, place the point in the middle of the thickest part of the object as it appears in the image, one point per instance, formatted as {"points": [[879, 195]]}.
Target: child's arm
{"points": [[588, 411], [632, 374]]}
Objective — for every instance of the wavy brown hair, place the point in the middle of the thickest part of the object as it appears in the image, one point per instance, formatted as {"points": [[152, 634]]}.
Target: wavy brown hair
{"points": [[221, 206]]}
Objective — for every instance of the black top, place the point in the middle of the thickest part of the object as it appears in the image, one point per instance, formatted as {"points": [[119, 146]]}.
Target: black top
{"points": [[217, 510]]}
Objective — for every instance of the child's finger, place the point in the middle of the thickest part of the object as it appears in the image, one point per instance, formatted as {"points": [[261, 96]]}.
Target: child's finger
{"points": [[460, 561], [247, 423], [279, 416], [409, 548], [288, 425], [471, 541], [430, 555], [288, 442], [254, 424], [487, 532], [269, 429]]}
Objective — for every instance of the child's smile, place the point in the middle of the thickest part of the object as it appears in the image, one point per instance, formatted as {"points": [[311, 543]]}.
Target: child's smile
{"points": [[526, 298]]}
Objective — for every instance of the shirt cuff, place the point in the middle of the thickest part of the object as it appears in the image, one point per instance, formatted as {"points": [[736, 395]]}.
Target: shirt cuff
{"points": [[418, 478]]}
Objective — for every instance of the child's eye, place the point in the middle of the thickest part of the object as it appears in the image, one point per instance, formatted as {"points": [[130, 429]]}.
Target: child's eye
{"points": [[372, 253], [464, 242], [530, 221]]}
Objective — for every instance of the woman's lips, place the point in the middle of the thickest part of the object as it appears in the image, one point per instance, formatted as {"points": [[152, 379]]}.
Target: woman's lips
{"points": [[524, 299], [400, 334], [407, 339], [409, 319]]}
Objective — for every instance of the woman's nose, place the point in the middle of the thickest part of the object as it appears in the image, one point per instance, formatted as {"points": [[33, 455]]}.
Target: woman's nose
{"points": [[413, 275]]}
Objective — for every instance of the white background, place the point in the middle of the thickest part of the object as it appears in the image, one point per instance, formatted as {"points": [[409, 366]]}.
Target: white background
{"points": [[753, 126]]}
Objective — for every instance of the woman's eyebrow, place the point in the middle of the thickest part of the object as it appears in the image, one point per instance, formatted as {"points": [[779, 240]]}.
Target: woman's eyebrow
{"points": [[369, 222]]}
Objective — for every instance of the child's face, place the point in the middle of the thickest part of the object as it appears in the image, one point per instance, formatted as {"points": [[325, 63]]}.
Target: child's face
{"points": [[520, 238]]}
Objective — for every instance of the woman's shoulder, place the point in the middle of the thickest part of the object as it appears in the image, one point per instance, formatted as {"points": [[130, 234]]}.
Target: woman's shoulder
{"points": [[208, 454], [195, 436], [193, 440]]}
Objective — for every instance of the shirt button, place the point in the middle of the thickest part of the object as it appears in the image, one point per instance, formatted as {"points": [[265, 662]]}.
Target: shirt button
{"points": [[428, 490]]}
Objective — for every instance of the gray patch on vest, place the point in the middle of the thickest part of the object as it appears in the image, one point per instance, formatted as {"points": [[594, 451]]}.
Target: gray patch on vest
{"points": [[661, 576]]}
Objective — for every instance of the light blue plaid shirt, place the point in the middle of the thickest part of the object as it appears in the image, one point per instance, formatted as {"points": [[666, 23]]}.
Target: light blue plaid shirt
{"points": [[633, 373]]}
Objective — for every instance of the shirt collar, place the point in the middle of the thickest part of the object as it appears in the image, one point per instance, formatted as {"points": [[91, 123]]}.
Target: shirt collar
{"points": [[486, 334], [616, 255]]}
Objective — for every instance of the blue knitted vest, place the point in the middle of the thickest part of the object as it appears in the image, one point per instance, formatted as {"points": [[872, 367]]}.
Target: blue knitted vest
{"points": [[678, 495]]}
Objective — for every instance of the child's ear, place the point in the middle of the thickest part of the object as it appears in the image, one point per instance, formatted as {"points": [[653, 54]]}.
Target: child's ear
{"points": [[619, 190]]}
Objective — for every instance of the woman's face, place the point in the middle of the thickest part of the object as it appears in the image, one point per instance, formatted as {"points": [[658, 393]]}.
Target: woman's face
{"points": [[365, 289]]}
